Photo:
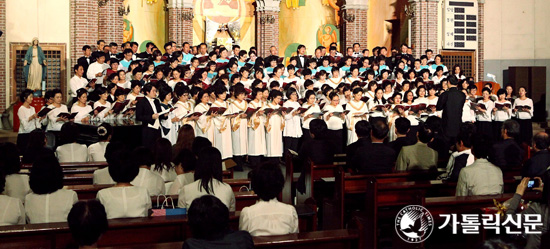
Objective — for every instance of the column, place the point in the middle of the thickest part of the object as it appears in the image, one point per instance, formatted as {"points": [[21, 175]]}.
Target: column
{"points": [[481, 40], [267, 25], [180, 21], [83, 26], [111, 22], [424, 26], [354, 20], [3, 52]]}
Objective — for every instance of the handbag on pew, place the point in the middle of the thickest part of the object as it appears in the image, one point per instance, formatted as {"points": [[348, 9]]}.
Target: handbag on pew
{"points": [[166, 208]]}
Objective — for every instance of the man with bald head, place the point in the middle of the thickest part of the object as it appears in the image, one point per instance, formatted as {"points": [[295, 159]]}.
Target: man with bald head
{"points": [[538, 164]]}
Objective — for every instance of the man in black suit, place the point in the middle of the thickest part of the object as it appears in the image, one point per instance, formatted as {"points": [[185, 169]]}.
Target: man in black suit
{"points": [[451, 102], [317, 150], [538, 164], [402, 127], [300, 57], [273, 55], [147, 111], [85, 60], [377, 158], [507, 153], [148, 53], [463, 157], [362, 129]]}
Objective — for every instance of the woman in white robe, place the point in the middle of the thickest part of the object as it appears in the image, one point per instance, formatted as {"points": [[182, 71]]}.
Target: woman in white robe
{"points": [[204, 127], [358, 111], [222, 125], [256, 129], [239, 131], [274, 126]]}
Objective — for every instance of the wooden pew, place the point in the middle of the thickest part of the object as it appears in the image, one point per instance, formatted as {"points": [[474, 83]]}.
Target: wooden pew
{"points": [[341, 239]]}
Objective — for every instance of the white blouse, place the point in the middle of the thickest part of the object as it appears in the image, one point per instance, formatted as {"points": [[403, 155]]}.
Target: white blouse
{"points": [[292, 123], [53, 125], [335, 122], [17, 186], [269, 218], [102, 176], [486, 115], [26, 126], [502, 115], [468, 115], [125, 202], [53, 207], [96, 152], [73, 152], [181, 180], [12, 211], [219, 189], [150, 180], [525, 102], [82, 111], [314, 109], [103, 114]]}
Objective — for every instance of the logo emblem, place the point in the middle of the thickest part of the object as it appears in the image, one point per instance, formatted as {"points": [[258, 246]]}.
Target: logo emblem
{"points": [[414, 224]]}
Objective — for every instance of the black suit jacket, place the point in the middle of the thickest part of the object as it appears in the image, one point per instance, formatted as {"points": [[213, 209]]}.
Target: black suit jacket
{"points": [[375, 159], [399, 142], [144, 111], [451, 102], [537, 164], [352, 148], [506, 154], [459, 164], [82, 61], [299, 63]]}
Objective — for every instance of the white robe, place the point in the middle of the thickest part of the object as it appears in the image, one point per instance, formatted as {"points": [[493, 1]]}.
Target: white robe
{"points": [[274, 133], [204, 126], [172, 134], [355, 108], [239, 131], [256, 132], [292, 123], [222, 131]]}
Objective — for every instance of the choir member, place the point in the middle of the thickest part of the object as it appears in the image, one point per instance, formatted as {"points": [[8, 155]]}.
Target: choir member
{"points": [[48, 201], [358, 111], [208, 181], [256, 129], [274, 126], [501, 112], [135, 199], [147, 111], [377, 104], [483, 114], [71, 151], [81, 107], [432, 101], [104, 114], [239, 130], [204, 124], [523, 111], [14, 184], [57, 107], [292, 127], [28, 119], [335, 118], [312, 110], [170, 125], [96, 69], [96, 151], [222, 124], [77, 81]]}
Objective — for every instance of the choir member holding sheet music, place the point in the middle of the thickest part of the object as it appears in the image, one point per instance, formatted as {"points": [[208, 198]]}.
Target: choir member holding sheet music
{"points": [[274, 126], [256, 129], [293, 130], [335, 117], [204, 124], [81, 107], [28, 119], [501, 112], [312, 111], [484, 108], [56, 121], [523, 111], [102, 107], [358, 111], [239, 130], [221, 120], [169, 126]]}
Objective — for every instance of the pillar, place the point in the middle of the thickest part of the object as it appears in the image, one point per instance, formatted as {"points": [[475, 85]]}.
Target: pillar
{"points": [[267, 25], [481, 40], [84, 18], [111, 22], [424, 26], [354, 20], [180, 21], [3, 50]]}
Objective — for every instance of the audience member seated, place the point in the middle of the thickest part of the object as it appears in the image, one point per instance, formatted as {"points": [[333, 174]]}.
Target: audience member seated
{"points": [[463, 157], [540, 207], [199, 144], [186, 137], [439, 143], [362, 129], [402, 127], [102, 176], [162, 160], [96, 151], [71, 151], [418, 156], [317, 150], [36, 146], [87, 222], [538, 164], [17, 185], [482, 177], [377, 158], [208, 181], [48, 202], [507, 153], [209, 223], [153, 182], [124, 200], [268, 216], [185, 163], [12, 211]]}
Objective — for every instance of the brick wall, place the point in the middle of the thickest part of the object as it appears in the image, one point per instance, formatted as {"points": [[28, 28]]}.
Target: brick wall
{"points": [[83, 26], [110, 22], [424, 27], [180, 30], [355, 31], [267, 34], [3, 53], [481, 41]]}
